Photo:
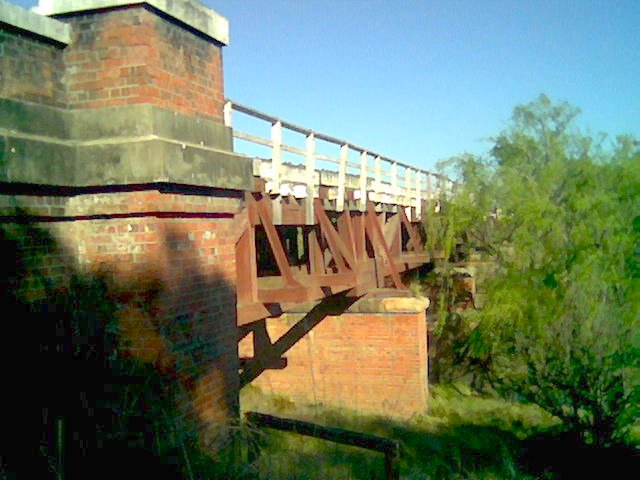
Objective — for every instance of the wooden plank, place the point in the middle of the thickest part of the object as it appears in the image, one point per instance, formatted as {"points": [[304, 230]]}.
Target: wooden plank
{"points": [[276, 243], [252, 138]]}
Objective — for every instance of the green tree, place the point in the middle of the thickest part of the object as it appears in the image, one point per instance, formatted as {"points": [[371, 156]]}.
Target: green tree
{"points": [[559, 214]]}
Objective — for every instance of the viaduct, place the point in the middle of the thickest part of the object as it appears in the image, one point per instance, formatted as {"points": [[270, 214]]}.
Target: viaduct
{"points": [[122, 196]]}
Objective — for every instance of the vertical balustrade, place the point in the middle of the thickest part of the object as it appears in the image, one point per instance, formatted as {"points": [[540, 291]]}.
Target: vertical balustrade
{"points": [[409, 193], [418, 194], [342, 177], [407, 186], [377, 182], [276, 169], [228, 110], [310, 178], [363, 181], [394, 182]]}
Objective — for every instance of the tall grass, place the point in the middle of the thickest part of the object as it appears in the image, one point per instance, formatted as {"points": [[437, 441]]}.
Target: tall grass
{"points": [[461, 437]]}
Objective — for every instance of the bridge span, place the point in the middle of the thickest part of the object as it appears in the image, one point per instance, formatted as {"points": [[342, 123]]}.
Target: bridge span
{"points": [[323, 231]]}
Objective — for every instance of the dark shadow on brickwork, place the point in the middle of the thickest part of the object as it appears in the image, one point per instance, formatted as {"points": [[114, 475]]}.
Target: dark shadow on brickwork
{"points": [[268, 355], [102, 378]]}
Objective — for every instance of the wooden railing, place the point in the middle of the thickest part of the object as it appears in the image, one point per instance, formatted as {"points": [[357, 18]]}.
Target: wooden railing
{"points": [[388, 181]]}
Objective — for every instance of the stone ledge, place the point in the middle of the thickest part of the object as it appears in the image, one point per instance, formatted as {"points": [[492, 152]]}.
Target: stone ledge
{"points": [[29, 21], [37, 161], [189, 12], [111, 124]]}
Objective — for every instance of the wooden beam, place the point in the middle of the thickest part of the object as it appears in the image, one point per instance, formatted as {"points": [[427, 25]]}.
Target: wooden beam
{"points": [[298, 294], [345, 230], [359, 237], [376, 231], [336, 244], [390, 448], [414, 237], [252, 312], [316, 258], [276, 243]]}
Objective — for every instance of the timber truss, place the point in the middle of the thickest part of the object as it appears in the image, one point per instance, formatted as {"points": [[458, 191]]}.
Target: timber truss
{"points": [[346, 252]]}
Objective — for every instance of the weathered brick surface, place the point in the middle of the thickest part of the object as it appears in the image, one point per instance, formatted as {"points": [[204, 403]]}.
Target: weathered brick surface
{"points": [[31, 69], [368, 362], [117, 57], [132, 55], [171, 278]]}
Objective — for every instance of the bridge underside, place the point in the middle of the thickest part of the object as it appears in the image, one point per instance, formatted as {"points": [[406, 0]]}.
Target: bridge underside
{"points": [[351, 252]]}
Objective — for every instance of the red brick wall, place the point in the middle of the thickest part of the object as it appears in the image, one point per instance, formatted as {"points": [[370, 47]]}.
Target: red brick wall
{"points": [[132, 55], [169, 263], [368, 362], [31, 70]]}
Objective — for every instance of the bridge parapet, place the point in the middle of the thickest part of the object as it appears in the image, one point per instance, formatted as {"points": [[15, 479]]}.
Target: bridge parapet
{"points": [[373, 177]]}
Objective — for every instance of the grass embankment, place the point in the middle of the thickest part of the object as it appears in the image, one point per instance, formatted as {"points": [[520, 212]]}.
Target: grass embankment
{"points": [[463, 436]]}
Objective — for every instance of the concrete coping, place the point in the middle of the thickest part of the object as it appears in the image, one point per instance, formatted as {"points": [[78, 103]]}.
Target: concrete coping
{"points": [[397, 303], [382, 300], [32, 22], [189, 12]]}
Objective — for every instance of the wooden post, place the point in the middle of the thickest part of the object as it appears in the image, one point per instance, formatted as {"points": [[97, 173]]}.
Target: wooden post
{"points": [[429, 187], [394, 182], [310, 171], [228, 110], [276, 169], [342, 177], [418, 194], [407, 186], [377, 183], [363, 181]]}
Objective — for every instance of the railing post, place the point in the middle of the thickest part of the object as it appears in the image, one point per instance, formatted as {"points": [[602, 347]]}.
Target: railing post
{"points": [[276, 169], [228, 110], [377, 184], [363, 181], [310, 172], [394, 182], [418, 194], [407, 186], [342, 177]]}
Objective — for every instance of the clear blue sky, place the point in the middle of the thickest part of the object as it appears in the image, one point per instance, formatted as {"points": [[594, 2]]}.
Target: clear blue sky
{"points": [[419, 81]]}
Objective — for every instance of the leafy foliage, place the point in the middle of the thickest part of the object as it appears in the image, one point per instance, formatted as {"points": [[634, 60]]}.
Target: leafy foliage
{"points": [[559, 214]]}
